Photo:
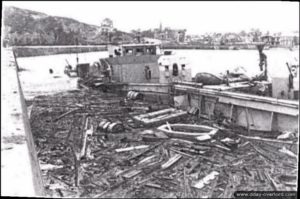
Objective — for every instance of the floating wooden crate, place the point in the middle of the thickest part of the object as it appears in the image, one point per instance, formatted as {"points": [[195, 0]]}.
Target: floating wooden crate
{"points": [[159, 117]]}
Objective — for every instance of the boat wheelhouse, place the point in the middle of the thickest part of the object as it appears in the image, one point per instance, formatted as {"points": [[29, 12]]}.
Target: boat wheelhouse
{"points": [[142, 63]]}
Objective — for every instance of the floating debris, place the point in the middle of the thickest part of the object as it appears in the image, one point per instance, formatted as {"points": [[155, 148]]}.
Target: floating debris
{"points": [[80, 159]]}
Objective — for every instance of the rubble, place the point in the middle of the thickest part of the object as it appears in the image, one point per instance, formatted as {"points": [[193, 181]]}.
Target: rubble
{"points": [[79, 159]]}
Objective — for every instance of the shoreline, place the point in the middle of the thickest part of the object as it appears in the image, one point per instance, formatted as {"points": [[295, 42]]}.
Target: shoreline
{"points": [[30, 51]]}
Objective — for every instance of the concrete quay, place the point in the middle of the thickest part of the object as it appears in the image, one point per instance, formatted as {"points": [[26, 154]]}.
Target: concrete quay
{"points": [[20, 171]]}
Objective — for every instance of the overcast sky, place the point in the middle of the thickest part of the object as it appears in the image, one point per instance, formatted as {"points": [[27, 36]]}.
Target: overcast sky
{"points": [[196, 17]]}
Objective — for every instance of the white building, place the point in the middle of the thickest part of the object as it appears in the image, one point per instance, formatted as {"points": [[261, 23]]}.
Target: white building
{"points": [[289, 39], [106, 26]]}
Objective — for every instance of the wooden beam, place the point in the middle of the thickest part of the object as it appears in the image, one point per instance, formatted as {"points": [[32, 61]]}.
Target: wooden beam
{"points": [[271, 121], [231, 111], [247, 119]]}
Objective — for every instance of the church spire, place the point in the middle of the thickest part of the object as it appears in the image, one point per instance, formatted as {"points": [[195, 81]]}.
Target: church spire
{"points": [[160, 27]]}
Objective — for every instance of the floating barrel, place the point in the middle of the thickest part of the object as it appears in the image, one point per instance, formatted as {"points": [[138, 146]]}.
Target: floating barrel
{"points": [[134, 95], [115, 127], [111, 127]]}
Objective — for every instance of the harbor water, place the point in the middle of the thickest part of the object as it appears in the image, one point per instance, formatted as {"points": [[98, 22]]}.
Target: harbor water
{"points": [[37, 80]]}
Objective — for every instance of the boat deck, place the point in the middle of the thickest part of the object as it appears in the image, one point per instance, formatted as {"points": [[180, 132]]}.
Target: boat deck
{"points": [[155, 165]]}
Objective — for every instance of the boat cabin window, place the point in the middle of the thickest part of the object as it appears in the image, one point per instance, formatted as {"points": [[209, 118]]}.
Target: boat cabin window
{"points": [[150, 51], [168, 52], [166, 68], [117, 52], [128, 51], [147, 72], [139, 51], [175, 69]]}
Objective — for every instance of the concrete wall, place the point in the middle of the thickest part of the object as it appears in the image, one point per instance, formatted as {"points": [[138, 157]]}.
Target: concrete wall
{"points": [[29, 51], [20, 171]]}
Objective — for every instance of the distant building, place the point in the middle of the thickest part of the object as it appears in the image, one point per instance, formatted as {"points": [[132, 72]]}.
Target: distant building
{"points": [[289, 39], [271, 40], [106, 26], [171, 35], [151, 40], [181, 35]]}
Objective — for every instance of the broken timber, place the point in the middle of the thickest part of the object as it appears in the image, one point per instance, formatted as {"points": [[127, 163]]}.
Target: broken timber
{"points": [[65, 114], [160, 116], [171, 161], [131, 148], [267, 140]]}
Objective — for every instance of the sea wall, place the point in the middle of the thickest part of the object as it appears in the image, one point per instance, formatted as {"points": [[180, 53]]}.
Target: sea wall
{"points": [[209, 47], [20, 170], [29, 51]]}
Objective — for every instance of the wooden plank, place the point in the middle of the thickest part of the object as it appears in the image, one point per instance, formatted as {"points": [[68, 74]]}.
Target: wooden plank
{"points": [[131, 148], [65, 114], [159, 116], [231, 111], [247, 119], [273, 183], [271, 121], [132, 173], [212, 109], [267, 140], [171, 161]]}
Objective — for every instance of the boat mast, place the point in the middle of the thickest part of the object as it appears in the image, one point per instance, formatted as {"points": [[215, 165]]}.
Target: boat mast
{"points": [[263, 60], [76, 43]]}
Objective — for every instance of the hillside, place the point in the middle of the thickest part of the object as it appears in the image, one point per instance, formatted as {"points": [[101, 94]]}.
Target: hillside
{"points": [[26, 27]]}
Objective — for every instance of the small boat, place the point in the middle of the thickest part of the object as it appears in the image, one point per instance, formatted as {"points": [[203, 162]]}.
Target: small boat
{"points": [[188, 131]]}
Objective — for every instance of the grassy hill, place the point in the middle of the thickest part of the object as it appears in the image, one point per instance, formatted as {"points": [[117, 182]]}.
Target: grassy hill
{"points": [[26, 27]]}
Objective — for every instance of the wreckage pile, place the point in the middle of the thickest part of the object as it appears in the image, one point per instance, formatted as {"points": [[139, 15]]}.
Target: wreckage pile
{"points": [[89, 145]]}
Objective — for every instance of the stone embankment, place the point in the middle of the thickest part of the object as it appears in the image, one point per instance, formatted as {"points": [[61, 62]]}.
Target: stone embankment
{"points": [[20, 171], [29, 51]]}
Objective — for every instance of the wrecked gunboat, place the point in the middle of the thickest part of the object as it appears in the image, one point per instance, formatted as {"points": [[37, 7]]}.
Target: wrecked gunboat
{"points": [[164, 76], [143, 109]]}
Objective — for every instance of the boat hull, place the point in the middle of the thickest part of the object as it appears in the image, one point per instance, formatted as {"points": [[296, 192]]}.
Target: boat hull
{"points": [[190, 131]]}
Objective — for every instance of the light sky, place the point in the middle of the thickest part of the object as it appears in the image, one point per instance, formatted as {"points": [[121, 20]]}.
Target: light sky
{"points": [[196, 17]]}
